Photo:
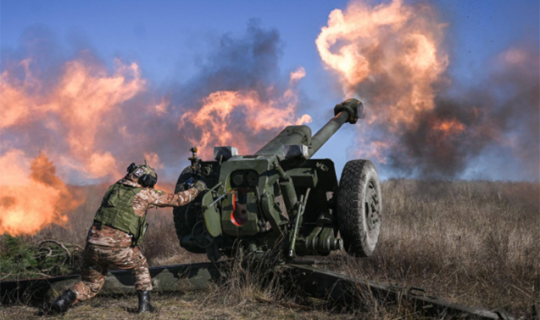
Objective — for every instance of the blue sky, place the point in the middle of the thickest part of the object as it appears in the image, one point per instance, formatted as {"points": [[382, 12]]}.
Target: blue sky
{"points": [[165, 35], [167, 38]]}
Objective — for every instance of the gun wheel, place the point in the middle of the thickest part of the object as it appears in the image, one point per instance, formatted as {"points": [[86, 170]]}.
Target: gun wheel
{"points": [[359, 208], [184, 217]]}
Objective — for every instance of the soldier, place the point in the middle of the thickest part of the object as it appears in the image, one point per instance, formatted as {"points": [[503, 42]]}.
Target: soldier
{"points": [[119, 227]]}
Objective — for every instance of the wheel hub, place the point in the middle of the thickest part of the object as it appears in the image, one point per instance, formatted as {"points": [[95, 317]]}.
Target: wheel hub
{"points": [[372, 208]]}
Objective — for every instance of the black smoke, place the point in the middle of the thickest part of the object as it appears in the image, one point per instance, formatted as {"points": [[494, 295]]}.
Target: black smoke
{"points": [[500, 116]]}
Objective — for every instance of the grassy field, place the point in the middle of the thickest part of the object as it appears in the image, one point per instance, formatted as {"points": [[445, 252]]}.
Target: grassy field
{"points": [[472, 242]]}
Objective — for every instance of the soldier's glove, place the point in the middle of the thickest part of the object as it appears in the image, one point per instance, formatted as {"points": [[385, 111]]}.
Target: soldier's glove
{"points": [[200, 186]]}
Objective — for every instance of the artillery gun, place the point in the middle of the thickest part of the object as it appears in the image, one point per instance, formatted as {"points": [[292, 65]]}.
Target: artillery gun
{"points": [[281, 200]]}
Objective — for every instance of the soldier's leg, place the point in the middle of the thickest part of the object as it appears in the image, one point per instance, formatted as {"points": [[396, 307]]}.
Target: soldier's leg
{"points": [[141, 274], [143, 282], [133, 259], [93, 274], [93, 278]]}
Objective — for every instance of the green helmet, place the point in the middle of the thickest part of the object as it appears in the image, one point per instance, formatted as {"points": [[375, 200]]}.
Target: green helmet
{"points": [[143, 174]]}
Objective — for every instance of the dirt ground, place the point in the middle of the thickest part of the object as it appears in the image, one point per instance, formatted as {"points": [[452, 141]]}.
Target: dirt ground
{"points": [[190, 305]]}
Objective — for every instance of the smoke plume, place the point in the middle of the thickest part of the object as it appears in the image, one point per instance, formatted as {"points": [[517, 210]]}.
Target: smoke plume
{"points": [[421, 121], [91, 121]]}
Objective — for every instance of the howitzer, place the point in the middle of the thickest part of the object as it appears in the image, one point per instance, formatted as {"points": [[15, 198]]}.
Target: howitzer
{"points": [[280, 199]]}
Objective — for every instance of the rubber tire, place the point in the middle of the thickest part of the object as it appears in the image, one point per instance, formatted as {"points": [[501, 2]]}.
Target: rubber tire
{"points": [[184, 222], [359, 190]]}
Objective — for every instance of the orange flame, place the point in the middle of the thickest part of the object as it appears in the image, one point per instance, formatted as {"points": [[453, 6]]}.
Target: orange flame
{"points": [[407, 42], [390, 53], [32, 200], [79, 105], [76, 108], [216, 123]]}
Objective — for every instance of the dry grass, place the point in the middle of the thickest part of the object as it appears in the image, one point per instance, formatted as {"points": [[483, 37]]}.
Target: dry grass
{"points": [[475, 243]]}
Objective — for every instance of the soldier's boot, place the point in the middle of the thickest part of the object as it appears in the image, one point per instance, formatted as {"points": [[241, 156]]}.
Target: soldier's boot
{"points": [[144, 302], [64, 301]]}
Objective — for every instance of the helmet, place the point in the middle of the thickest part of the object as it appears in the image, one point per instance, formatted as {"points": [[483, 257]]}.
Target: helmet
{"points": [[143, 174]]}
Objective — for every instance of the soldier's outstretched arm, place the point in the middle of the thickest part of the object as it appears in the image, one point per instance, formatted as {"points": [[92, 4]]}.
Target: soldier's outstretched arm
{"points": [[158, 198]]}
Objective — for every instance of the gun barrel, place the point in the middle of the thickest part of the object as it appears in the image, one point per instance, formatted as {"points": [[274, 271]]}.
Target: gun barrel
{"points": [[290, 135], [347, 111]]}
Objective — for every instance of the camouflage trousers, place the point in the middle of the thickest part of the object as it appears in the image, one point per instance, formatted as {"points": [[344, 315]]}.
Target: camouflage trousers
{"points": [[96, 263]]}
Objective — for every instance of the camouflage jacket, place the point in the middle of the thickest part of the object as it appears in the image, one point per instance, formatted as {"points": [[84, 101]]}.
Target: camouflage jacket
{"points": [[144, 200]]}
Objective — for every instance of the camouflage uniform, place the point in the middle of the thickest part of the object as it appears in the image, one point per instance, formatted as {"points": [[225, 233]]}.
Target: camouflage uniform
{"points": [[108, 247]]}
